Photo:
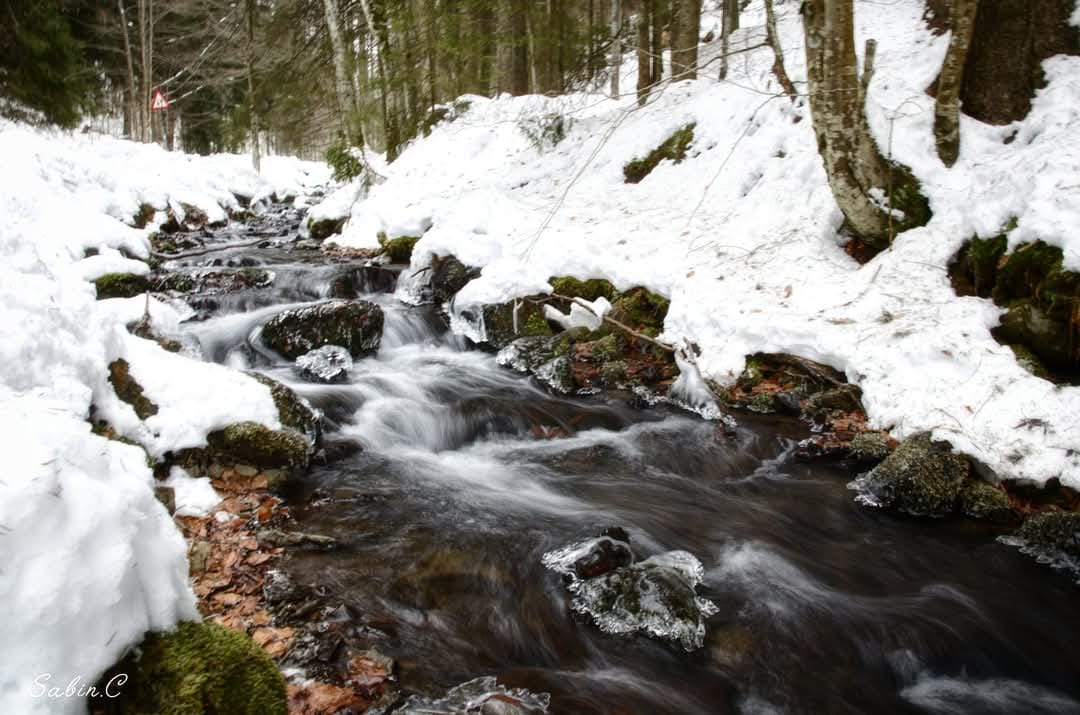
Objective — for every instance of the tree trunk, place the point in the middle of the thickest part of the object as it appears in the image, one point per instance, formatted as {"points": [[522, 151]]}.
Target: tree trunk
{"points": [[513, 68], [685, 29], [133, 93], [346, 105], [644, 60], [947, 106], [853, 164], [256, 159], [729, 23], [616, 46], [1004, 62], [773, 39], [659, 16]]}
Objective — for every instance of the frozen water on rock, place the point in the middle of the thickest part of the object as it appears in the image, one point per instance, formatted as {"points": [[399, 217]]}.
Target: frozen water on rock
{"points": [[330, 363], [482, 695], [655, 596]]}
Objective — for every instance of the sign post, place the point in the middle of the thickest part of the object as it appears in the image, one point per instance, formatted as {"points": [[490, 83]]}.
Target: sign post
{"points": [[158, 103]]}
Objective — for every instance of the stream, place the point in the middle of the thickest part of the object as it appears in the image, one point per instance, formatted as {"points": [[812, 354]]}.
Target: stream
{"points": [[468, 473]]}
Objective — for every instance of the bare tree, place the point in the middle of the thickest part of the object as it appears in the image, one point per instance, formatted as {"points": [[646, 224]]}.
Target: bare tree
{"points": [[729, 22], [685, 28], [773, 40], [616, 45]]}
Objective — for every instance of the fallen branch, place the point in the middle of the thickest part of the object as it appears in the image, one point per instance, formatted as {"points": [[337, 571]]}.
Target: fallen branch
{"points": [[204, 251], [616, 323]]}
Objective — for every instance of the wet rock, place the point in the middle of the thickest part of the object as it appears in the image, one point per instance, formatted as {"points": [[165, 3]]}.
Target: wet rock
{"points": [[869, 447], [557, 375], [921, 478], [589, 290], [1051, 532], [279, 537], [216, 282], [130, 391], [254, 443], [603, 554], [279, 588], [448, 276], [483, 696], [655, 596], [167, 497], [1045, 336], [294, 411], [355, 325], [981, 500], [546, 357], [121, 285], [328, 364], [398, 250]]}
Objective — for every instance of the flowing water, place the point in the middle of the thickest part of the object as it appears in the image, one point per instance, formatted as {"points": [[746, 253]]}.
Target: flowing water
{"points": [[469, 473]]}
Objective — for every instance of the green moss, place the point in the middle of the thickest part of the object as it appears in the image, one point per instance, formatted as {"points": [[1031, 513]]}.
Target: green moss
{"points": [[1029, 361], [121, 285], [907, 196], [325, 228], [641, 309], [590, 289], [673, 149], [974, 269], [751, 374], [499, 322], [606, 349], [398, 249], [144, 216], [981, 500], [130, 391], [179, 282], [763, 402], [254, 443], [920, 477], [198, 668], [869, 447], [1048, 338]]}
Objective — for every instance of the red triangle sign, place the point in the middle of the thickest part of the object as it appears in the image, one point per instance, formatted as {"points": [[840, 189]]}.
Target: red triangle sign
{"points": [[159, 101]]}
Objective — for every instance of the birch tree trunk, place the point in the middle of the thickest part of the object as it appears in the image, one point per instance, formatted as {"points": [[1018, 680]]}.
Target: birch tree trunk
{"points": [[947, 106], [853, 164], [729, 22], [342, 88]]}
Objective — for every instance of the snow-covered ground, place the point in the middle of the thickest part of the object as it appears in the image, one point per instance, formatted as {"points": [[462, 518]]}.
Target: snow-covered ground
{"points": [[742, 236], [89, 559]]}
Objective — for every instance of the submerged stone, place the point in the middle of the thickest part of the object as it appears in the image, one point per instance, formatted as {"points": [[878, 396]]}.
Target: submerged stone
{"points": [[483, 696], [328, 364], [921, 478], [1052, 537], [355, 325]]}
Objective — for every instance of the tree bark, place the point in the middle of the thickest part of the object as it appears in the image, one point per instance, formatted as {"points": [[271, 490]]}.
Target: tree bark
{"points": [[852, 161], [773, 40], [729, 23], [253, 117], [133, 93], [644, 60], [513, 69], [685, 28], [616, 46], [947, 106], [346, 104]]}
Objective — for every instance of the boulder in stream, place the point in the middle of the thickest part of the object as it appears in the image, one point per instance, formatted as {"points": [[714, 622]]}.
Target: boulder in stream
{"points": [[328, 364], [655, 596], [355, 325], [921, 477]]}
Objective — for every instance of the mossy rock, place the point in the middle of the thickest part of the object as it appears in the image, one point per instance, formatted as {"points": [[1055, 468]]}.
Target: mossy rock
{"points": [[198, 668], [130, 391], [294, 411], [673, 148], [257, 444], [981, 500], [398, 249], [499, 322], [325, 228], [1048, 338], [355, 325], [145, 215], [641, 309], [1025, 272], [121, 285], [974, 268], [1052, 531], [590, 289], [869, 447], [178, 282], [921, 477]]}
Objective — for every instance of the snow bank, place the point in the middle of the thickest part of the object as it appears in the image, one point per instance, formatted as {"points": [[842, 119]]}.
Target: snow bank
{"points": [[742, 235], [89, 560]]}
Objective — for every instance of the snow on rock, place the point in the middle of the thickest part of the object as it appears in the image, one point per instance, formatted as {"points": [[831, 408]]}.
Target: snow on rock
{"points": [[743, 234], [194, 496], [89, 560]]}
